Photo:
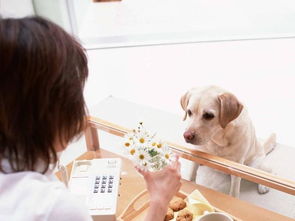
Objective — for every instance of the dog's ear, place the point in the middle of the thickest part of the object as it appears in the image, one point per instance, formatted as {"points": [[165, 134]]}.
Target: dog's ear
{"points": [[230, 108], [184, 102]]}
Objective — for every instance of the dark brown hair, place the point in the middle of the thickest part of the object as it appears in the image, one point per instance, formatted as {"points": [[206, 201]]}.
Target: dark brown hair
{"points": [[42, 74]]}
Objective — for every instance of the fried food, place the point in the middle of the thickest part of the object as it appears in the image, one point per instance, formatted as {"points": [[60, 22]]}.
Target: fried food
{"points": [[184, 215], [169, 214], [177, 204]]}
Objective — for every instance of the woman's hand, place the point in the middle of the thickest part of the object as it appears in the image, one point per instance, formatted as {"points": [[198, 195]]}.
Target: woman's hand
{"points": [[162, 186]]}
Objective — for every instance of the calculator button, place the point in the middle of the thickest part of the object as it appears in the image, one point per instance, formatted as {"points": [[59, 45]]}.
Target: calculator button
{"points": [[102, 190], [97, 182], [109, 190], [95, 191], [104, 182], [96, 186], [110, 185], [104, 177], [97, 177], [111, 177], [103, 186], [111, 181]]}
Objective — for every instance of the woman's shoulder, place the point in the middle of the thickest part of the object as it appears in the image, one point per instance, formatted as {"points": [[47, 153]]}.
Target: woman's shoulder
{"points": [[39, 197], [68, 207], [30, 181]]}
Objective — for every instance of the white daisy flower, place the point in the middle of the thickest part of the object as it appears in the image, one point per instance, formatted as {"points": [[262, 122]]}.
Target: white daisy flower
{"points": [[129, 136], [141, 157], [128, 142], [168, 155], [132, 151], [142, 135], [160, 145], [154, 143], [142, 139]]}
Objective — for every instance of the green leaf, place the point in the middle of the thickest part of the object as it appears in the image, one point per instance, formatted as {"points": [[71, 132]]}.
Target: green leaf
{"points": [[153, 153]]}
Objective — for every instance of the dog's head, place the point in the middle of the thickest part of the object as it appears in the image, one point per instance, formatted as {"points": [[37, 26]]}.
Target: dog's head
{"points": [[206, 111]]}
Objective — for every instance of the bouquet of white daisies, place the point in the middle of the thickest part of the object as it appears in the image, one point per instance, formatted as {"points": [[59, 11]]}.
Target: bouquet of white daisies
{"points": [[146, 151]]}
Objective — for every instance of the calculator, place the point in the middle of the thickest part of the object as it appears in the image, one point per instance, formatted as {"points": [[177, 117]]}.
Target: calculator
{"points": [[96, 182]]}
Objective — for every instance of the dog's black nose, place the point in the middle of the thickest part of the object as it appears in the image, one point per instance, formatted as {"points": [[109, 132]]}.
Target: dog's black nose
{"points": [[188, 136]]}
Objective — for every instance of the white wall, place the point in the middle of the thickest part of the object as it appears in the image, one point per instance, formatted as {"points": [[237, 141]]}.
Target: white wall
{"points": [[260, 72], [80, 9], [11, 8], [150, 21], [55, 10]]}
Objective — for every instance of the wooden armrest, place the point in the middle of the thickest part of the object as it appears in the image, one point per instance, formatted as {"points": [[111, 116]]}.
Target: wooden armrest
{"points": [[200, 157]]}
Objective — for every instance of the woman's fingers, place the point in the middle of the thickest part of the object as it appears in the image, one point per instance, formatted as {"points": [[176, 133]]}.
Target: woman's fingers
{"points": [[176, 164], [178, 167], [178, 188], [143, 172]]}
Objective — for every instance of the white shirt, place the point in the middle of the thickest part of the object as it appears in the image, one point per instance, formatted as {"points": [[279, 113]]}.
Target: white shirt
{"points": [[31, 196]]}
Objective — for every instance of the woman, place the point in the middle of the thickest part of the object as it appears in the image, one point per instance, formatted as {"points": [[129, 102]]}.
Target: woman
{"points": [[42, 109]]}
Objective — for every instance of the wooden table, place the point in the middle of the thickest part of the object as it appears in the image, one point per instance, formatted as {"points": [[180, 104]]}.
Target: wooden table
{"points": [[132, 184], [105, 117]]}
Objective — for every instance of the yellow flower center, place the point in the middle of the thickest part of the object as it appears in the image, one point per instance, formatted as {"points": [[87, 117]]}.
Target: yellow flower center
{"points": [[141, 140], [132, 151], [154, 144], [141, 156], [127, 144], [167, 156], [159, 145]]}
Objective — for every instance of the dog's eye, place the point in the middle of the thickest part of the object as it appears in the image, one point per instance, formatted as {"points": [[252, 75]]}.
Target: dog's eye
{"points": [[189, 113], [208, 116]]}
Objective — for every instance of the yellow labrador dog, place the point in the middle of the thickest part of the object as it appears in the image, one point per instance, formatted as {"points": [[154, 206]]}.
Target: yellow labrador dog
{"points": [[219, 124]]}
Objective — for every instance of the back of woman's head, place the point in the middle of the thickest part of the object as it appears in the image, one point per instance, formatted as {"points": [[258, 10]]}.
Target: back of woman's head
{"points": [[42, 75]]}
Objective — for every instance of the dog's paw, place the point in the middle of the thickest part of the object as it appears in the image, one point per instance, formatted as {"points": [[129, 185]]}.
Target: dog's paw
{"points": [[262, 189]]}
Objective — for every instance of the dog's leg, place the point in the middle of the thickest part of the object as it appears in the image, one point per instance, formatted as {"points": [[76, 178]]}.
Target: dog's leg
{"points": [[261, 188], [259, 164], [213, 179], [235, 186], [270, 144]]}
